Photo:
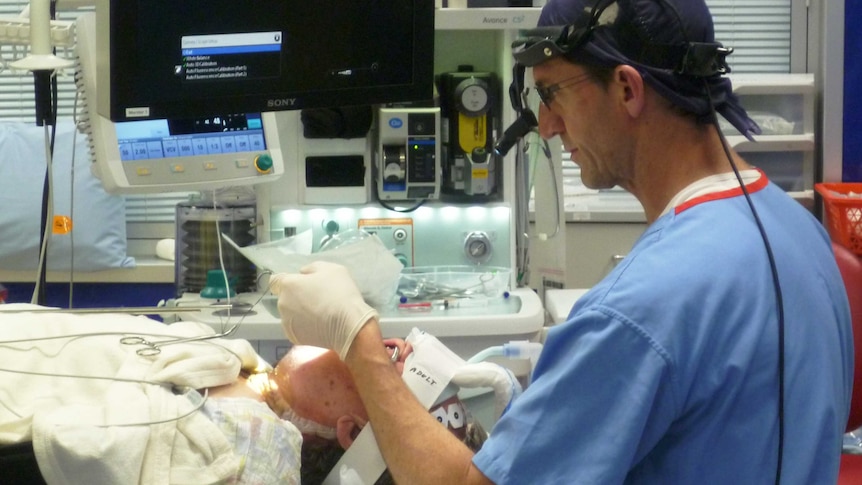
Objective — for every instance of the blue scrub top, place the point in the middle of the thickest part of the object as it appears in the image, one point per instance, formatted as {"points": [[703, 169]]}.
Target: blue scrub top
{"points": [[667, 370]]}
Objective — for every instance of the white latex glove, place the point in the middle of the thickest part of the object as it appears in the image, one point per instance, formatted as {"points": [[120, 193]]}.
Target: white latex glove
{"points": [[488, 374], [321, 306]]}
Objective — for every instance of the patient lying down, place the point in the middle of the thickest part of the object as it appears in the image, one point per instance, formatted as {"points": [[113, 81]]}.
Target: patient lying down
{"points": [[312, 388], [98, 412]]}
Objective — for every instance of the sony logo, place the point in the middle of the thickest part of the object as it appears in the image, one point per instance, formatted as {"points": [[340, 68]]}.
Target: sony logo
{"points": [[280, 103]]}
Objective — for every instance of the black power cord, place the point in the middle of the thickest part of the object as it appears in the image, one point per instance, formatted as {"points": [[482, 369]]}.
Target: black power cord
{"points": [[46, 97], [779, 298]]}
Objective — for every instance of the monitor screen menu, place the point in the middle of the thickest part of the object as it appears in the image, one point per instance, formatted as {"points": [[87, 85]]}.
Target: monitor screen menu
{"points": [[181, 59]]}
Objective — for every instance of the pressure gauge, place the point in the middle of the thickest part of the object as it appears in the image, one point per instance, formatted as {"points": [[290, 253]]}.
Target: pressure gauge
{"points": [[473, 97], [477, 247]]}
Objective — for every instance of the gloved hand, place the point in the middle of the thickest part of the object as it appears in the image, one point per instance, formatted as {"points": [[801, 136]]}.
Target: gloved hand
{"points": [[488, 374], [321, 306]]}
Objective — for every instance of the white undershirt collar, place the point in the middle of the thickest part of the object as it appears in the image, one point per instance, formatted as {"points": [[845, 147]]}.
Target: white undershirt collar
{"points": [[709, 185]]}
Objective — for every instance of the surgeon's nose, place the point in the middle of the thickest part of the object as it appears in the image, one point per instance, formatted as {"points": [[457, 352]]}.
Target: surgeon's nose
{"points": [[550, 124]]}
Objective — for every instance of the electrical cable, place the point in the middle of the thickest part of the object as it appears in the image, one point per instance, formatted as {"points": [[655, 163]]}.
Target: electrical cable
{"points": [[72, 209], [558, 216], [522, 220], [138, 340], [39, 291], [188, 392], [779, 298], [773, 266], [71, 337], [81, 120], [169, 339], [217, 233], [524, 125], [403, 211], [385, 205]]}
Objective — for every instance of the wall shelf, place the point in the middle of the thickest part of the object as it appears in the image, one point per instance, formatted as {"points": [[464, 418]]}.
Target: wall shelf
{"points": [[773, 143], [784, 107]]}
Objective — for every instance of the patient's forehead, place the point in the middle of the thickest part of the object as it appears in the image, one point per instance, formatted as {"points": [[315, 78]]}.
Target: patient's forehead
{"points": [[317, 384], [303, 354], [304, 362], [301, 357]]}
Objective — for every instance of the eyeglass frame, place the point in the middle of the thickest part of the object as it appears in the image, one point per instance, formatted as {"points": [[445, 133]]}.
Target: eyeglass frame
{"points": [[547, 93]]}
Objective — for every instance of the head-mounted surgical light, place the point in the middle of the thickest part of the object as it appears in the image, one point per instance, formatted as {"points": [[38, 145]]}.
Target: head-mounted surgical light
{"points": [[691, 60], [536, 47], [637, 46], [526, 120], [544, 43]]}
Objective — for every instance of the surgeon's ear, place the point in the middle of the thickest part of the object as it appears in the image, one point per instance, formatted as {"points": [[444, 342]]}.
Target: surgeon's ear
{"points": [[631, 85], [347, 428]]}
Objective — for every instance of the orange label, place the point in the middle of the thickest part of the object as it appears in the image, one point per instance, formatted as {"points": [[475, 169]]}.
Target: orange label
{"points": [[62, 225]]}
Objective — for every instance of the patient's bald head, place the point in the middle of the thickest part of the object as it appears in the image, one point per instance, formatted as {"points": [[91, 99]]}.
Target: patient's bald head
{"points": [[315, 391], [311, 371], [317, 386], [313, 388]]}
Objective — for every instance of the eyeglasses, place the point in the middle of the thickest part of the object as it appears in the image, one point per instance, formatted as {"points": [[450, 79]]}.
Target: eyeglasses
{"points": [[547, 93]]}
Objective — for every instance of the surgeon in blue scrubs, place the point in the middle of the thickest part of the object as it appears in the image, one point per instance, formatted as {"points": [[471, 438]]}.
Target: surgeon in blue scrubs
{"points": [[719, 351]]}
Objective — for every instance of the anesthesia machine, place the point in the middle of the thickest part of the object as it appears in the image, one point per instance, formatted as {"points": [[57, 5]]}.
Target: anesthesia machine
{"points": [[357, 144]]}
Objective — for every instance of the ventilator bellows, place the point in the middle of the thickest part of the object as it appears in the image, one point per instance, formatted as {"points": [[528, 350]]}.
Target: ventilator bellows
{"points": [[199, 224]]}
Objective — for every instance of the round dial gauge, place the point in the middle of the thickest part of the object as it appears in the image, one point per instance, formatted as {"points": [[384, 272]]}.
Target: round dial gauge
{"points": [[473, 97], [477, 247]]}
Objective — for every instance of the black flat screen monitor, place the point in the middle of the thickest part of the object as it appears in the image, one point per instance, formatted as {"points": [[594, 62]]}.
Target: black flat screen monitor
{"points": [[193, 58]]}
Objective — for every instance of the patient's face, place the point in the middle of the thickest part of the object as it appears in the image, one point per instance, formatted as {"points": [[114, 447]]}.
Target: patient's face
{"points": [[318, 386]]}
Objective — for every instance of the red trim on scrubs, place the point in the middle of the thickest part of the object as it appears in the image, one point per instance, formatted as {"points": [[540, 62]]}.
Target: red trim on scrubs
{"points": [[758, 184]]}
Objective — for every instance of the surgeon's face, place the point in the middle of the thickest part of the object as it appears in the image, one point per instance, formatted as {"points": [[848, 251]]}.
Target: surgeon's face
{"points": [[585, 117]]}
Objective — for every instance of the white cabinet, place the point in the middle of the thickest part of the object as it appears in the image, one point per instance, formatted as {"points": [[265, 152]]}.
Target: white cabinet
{"points": [[784, 107], [594, 248]]}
